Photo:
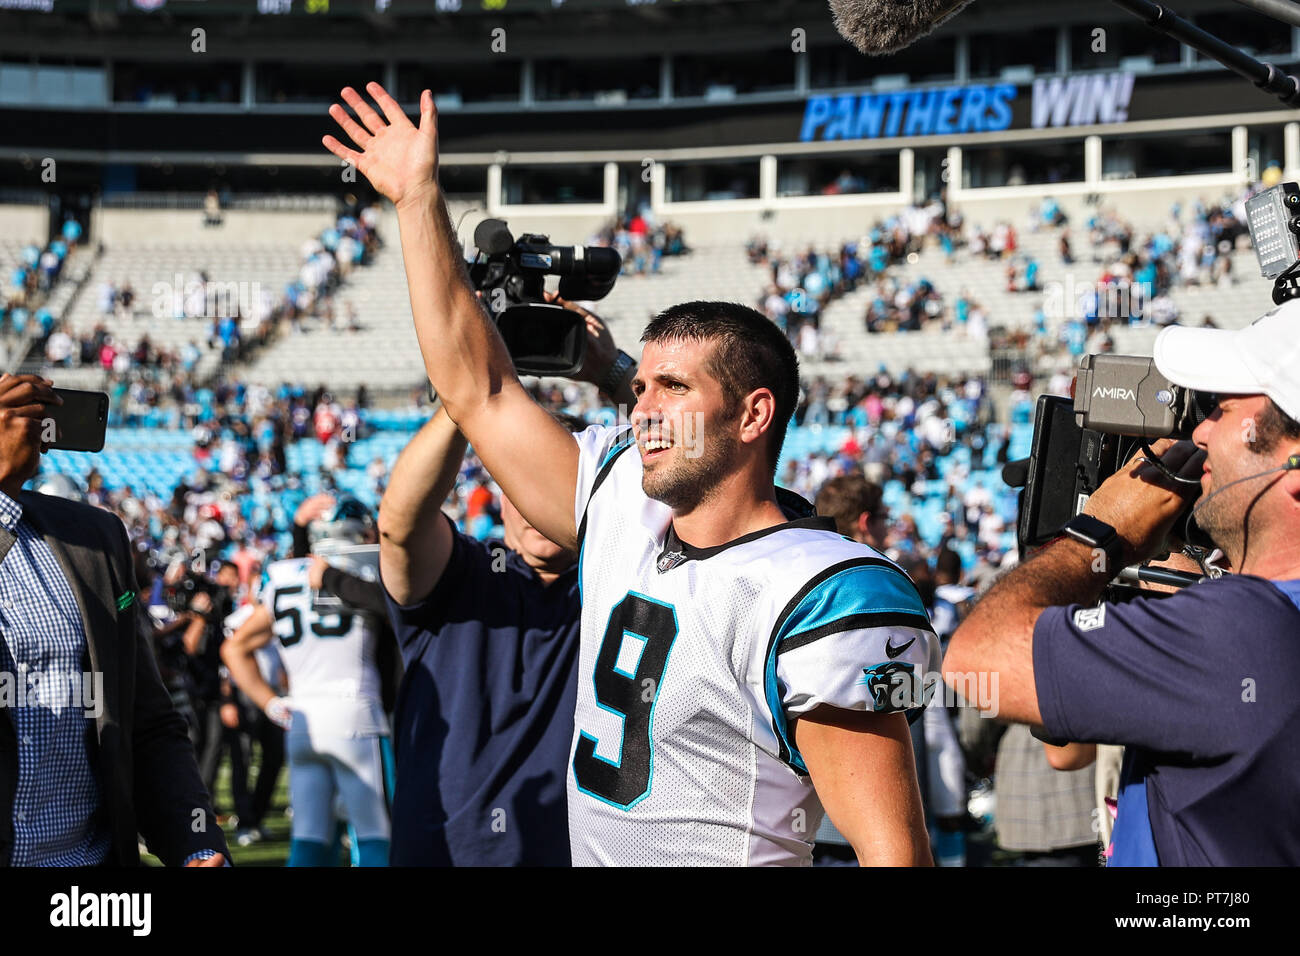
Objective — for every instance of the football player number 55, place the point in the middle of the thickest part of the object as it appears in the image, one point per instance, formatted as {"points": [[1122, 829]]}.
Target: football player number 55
{"points": [[288, 610], [629, 668]]}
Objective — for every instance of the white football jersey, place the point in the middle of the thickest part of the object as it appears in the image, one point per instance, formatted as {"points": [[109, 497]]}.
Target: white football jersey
{"points": [[695, 661], [329, 657]]}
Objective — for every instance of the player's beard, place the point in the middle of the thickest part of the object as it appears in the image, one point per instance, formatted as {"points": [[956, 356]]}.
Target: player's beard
{"points": [[685, 483]]}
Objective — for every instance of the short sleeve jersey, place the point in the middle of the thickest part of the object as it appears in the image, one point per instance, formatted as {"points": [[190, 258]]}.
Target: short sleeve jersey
{"points": [[695, 662], [1201, 687], [329, 656]]}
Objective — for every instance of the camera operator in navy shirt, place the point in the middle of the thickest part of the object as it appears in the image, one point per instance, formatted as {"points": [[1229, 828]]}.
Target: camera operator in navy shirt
{"points": [[489, 636], [1201, 685]]}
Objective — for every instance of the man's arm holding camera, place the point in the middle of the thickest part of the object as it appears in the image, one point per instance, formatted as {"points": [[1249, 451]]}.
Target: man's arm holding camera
{"points": [[998, 635], [415, 540], [1072, 756], [532, 456]]}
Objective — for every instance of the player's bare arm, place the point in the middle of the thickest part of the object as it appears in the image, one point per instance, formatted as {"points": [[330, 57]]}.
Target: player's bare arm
{"points": [[998, 636], [237, 655], [862, 767], [529, 454]]}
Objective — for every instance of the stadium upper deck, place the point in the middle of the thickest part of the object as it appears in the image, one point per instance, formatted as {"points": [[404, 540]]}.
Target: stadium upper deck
{"points": [[724, 115]]}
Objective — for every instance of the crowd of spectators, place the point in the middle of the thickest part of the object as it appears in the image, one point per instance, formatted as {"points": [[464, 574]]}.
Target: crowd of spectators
{"points": [[642, 241], [1193, 248], [233, 325], [804, 281], [32, 278], [898, 429], [240, 435], [1137, 273]]}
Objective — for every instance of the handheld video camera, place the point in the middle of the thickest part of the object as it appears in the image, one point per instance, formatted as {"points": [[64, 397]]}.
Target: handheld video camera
{"points": [[1122, 403], [543, 338], [180, 594]]}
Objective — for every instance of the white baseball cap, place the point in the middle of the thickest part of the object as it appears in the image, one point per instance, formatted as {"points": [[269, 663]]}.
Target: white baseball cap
{"points": [[1263, 358]]}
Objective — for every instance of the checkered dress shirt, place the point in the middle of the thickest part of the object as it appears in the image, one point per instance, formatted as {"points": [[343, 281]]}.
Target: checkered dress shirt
{"points": [[56, 806], [56, 802]]}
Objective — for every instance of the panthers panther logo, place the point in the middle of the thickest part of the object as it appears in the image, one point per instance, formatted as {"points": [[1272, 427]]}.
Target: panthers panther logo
{"points": [[891, 684]]}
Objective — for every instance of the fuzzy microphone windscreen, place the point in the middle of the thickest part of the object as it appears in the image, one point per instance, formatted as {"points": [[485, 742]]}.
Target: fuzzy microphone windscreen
{"points": [[886, 26]]}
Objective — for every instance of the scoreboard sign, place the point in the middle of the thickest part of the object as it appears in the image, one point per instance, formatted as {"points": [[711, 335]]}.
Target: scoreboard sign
{"points": [[975, 108]]}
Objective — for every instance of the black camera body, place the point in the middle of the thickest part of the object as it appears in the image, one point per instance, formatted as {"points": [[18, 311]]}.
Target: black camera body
{"points": [[180, 595], [543, 338]]}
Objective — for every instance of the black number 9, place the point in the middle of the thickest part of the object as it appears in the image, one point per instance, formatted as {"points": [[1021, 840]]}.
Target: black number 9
{"points": [[631, 694]]}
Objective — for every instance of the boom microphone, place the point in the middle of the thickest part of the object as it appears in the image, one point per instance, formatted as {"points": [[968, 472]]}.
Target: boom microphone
{"points": [[492, 237], [886, 26]]}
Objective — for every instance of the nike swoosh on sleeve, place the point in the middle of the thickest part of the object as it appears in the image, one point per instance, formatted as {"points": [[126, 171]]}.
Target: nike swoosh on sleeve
{"points": [[891, 651]]}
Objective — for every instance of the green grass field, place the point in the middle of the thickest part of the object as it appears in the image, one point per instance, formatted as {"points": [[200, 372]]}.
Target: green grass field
{"points": [[273, 851]]}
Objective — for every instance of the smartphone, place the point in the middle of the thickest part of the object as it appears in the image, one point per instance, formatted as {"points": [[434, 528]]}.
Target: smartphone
{"points": [[82, 420]]}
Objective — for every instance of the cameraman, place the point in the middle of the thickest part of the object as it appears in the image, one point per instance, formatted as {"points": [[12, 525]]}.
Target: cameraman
{"points": [[1201, 685], [206, 604]]}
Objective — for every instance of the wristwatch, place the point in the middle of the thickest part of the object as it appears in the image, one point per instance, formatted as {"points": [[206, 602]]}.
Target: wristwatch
{"points": [[618, 370], [1097, 534]]}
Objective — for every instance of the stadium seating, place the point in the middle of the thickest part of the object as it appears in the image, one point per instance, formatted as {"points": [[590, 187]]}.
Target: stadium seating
{"points": [[75, 269], [153, 270]]}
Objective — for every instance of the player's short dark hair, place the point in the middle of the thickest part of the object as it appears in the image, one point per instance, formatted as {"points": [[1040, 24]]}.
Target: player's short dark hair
{"points": [[845, 498], [1274, 426], [749, 353]]}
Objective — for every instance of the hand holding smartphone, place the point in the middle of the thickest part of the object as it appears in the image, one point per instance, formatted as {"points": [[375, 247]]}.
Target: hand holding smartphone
{"points": [[80, 422]]}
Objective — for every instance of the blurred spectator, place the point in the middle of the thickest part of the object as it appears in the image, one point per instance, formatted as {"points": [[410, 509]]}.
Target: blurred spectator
{"points": [[212, 209]]}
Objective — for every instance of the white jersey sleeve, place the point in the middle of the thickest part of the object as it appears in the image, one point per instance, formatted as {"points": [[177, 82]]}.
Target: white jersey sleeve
{"points": [[856, 637], [236, 618], [597, 446]]}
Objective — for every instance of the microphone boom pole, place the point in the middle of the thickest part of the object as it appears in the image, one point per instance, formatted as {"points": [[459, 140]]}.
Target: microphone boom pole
{"points": [[1264, 75], [1284, 10]]}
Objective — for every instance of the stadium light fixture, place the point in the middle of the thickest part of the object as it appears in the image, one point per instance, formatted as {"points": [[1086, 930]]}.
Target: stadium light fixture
{"points": [[1273, 218]]}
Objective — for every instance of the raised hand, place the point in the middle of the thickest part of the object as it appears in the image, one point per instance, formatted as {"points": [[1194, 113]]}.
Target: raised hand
{"points": [[399, 158], [312, 508]]}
